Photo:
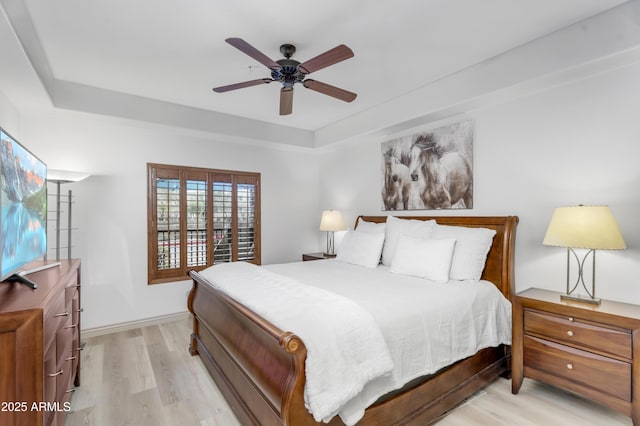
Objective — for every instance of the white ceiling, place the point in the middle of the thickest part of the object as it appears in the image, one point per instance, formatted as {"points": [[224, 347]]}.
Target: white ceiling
{"points": [[174, 50]]}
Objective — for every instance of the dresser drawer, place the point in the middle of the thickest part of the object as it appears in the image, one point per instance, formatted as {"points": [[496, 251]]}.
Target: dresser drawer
{"points": [[56, 316], [51, 372], [575, 332], [64, 384], [70, 293], [588, 370]]}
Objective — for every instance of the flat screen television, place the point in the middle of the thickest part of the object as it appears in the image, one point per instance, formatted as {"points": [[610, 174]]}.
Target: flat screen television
{"points": [[23, 207]]}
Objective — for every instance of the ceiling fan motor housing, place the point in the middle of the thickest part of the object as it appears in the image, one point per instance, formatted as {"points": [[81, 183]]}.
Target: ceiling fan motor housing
{"points": [[289, 74]]}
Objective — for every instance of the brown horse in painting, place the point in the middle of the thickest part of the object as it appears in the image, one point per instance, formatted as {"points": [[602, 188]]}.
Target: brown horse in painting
{"points": [[444, 179]]}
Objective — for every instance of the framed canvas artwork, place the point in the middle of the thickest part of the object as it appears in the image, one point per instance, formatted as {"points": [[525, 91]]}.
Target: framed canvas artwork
{"points": [[429, 170]]}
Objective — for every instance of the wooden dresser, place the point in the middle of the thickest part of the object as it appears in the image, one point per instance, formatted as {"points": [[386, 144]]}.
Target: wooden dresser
{"points": [[593, 350], [40, 346]]}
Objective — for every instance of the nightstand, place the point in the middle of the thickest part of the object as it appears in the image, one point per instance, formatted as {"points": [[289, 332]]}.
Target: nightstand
{"points": [[316, 256], [592, 350]]}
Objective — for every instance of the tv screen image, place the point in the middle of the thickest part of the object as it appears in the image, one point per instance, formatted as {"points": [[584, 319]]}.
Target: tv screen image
{"points": [[23, 206]]}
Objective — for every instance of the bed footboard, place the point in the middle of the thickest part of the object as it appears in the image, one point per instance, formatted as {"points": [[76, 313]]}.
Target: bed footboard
{"points": [[258, 367]]}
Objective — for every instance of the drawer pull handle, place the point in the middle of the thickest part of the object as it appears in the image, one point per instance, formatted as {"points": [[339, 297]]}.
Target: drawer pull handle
{"points": [[64, 314], [80, 310], [570, 319], [55, 374], [570, 333], [570, 366], [72, 325], [71, 358], [70, 390]]}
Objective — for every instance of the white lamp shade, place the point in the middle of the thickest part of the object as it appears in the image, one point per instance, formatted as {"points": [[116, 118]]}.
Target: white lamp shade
{"points": [[332, 221], [64, 176], [590, 227]]}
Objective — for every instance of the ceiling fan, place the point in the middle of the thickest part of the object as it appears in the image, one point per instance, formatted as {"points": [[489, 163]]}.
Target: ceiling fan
{"points": [[289, 72]]}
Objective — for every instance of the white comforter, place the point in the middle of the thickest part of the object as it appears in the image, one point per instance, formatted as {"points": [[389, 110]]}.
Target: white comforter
{"points": [[345, 350], [427, 325]]}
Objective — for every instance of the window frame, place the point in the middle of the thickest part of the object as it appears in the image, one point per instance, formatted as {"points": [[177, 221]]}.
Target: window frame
{"points": [[182, 174]]}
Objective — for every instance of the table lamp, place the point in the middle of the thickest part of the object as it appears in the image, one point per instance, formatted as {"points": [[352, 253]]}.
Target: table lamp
{"points": [[331, 221], [588, 227]]}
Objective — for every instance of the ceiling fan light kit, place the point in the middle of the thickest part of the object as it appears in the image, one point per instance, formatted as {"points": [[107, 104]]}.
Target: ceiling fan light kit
{"points": [[288, 72]]}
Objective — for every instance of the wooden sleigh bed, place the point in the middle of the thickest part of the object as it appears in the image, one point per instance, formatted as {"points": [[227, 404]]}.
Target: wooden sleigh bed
{"points": [[260, 369]]}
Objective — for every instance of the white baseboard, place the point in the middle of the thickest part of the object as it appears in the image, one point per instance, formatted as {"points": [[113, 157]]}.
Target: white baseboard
{"points": [[115, 328]]}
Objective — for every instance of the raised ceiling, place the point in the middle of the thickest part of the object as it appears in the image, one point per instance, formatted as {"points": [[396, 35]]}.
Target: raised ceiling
{"points": [[174, 51]]}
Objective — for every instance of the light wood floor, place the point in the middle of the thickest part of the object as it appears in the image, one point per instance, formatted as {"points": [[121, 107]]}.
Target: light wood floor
{"points": [[147, 377]]}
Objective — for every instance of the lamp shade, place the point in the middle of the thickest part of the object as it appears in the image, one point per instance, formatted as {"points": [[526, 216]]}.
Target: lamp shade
{"points": [[590, 227], [65, 176], [332, 221]]}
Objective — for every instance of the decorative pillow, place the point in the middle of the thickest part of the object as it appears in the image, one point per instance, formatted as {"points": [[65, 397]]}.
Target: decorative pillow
{"points": [[371, 227], [470, 254], [396, 227], [430, 259], [361, 248]]}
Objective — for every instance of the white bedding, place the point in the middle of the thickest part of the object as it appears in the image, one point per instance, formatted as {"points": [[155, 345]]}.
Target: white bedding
{"points": [[345, 351], [427, 325]]}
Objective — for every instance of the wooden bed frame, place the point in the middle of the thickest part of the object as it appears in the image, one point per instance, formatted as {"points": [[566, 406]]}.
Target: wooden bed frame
{"points": [[260, 369]]}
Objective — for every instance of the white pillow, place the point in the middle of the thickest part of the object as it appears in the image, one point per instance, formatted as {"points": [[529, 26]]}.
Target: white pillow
{"points": [[371, 227], [397, 227], [361, 248], [430, 259], [470, 254]]}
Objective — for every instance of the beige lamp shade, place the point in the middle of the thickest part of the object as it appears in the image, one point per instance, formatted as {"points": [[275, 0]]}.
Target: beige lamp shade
{"points": [[590, 227], [332, 221]]}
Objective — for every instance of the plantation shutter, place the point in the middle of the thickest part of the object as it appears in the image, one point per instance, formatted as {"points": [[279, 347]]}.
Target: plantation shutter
{"points": [[245, 200], [198, 217], [223, 218], [167, 201]]}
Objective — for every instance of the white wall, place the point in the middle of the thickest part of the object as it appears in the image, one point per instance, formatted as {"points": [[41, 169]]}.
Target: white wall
{"points": [[577, 143], [9, 116], [111, 205]]}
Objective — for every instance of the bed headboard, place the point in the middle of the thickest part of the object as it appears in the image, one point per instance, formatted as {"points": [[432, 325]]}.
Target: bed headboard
{"points": [[499, 268]]}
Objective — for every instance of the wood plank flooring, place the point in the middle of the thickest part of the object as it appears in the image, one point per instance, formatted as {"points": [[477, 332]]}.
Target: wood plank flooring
{"points": [[147, 377]]}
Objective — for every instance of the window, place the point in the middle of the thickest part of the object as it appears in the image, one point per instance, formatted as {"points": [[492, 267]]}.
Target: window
{"points": [[198, 217]]}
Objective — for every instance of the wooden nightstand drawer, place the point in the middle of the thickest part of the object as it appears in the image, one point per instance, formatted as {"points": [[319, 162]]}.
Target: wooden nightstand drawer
{"points": [[586, 369], [579, 333]]}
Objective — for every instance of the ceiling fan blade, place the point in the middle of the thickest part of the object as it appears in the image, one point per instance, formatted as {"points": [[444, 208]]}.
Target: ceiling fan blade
{"points": [[235, 86], [286, 100], [327, 89], [330, 57], [248, 49]]}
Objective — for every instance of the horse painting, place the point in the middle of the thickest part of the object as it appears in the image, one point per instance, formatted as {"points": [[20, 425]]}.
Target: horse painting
{"points": [[444, 179], [430, 170]]}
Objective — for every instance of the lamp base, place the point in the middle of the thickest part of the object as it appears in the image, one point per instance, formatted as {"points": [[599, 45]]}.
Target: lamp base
{"points": [[582, 299]]}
